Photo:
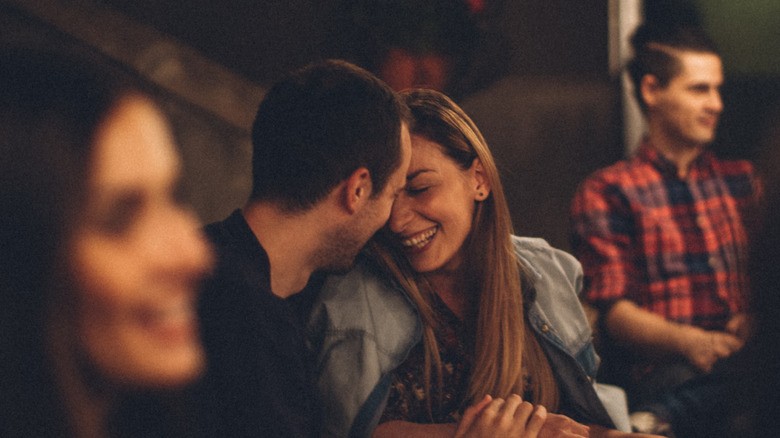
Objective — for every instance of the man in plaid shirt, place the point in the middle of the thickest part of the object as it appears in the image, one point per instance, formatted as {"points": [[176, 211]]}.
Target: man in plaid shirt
{"points": [[663, 236]]}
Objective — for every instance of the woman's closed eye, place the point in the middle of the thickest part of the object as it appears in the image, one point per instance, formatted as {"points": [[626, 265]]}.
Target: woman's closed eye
{"points": [[416, 190]]}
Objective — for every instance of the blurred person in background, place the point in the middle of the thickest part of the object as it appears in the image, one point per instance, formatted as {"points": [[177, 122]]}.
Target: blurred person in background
{"points": [[100, 260], [449, 46], [664, 236]]}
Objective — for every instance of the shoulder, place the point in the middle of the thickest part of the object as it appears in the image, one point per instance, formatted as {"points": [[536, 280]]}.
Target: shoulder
{"points": [[557, 279], [365, 301], [361, 328], [740, 176], [228, 232], [545, 261], [612, 185], [734, 166], [364, 281], [614, 174], [239, 282], [736, 171]]}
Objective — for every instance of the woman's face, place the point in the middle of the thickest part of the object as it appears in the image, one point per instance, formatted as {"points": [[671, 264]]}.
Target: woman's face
{"points": [[138, 255], [432, 217]]}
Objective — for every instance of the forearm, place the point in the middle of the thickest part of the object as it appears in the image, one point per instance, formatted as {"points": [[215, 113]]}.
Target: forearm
{"points": [[643, 331]]}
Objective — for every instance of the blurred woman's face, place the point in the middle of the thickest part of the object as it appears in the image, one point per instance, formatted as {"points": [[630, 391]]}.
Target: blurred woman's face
{"points": [[138, 255], [432, 217]]}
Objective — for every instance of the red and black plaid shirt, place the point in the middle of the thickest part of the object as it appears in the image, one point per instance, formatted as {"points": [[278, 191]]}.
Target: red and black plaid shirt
{"points": [[675, 247]]}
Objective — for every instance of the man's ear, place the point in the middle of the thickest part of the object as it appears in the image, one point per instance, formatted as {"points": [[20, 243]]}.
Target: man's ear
{"points": [[481, 183], [649, 87], [357, 189]]}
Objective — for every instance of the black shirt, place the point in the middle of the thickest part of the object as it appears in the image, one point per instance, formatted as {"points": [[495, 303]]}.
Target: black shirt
{"points": [[259, 380]]}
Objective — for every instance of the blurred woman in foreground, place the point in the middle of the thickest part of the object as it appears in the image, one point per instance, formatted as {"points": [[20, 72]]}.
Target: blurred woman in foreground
{"points": [[100, 261]]}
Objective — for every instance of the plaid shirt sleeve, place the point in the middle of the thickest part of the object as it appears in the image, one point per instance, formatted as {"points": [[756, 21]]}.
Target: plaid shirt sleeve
{"points": [[603, 240]]}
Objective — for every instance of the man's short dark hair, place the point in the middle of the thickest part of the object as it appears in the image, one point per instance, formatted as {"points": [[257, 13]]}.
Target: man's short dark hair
{"points": [[654, 52], [317, 126]]}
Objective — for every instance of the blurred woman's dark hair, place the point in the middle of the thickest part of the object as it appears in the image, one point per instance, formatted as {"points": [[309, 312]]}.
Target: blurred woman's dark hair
{"points": [[51, 105]]}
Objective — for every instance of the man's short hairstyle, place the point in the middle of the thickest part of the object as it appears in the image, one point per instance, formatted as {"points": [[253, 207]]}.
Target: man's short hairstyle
{"points": [[655, 53], [317, 126]]}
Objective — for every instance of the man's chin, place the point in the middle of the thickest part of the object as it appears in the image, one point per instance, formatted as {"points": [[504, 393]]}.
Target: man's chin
{"points": [[340, 267], [707, 138]]}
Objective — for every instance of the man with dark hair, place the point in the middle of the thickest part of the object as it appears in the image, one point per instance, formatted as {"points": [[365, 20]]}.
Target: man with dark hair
{"points": [[663, 236], [330, 152]]}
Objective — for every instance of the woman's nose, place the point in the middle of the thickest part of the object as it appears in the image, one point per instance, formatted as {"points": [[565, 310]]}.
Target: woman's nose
{"points": [[400, 214]]}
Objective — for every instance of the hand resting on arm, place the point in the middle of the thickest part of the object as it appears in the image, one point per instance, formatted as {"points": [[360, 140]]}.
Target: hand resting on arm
{"points": [[639, 329]]}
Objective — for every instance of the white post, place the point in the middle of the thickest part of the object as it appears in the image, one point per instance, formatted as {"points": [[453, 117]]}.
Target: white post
{"points": [[624, 17]]}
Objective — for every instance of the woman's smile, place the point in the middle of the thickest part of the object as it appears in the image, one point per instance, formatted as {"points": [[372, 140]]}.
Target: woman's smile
{"points": [[419, 241]]}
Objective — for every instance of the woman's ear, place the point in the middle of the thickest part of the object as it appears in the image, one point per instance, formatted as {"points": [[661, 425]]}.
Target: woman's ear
{"points": [[481, 183]]}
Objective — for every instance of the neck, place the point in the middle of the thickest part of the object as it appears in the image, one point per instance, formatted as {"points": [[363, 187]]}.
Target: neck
{"points": [[87, 396], [451, 290], [681, 153], [289, 240]]}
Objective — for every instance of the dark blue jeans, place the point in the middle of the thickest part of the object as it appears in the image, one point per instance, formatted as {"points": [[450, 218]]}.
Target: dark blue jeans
{"points": [[709, 405]]}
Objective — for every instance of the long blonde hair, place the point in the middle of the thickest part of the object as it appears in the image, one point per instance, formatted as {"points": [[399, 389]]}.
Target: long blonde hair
{"points": [[504, 353]]}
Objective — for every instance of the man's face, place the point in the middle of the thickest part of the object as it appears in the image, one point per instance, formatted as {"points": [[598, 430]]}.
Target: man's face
{"points": [[346, 242], [382, 204], [688, 108]]}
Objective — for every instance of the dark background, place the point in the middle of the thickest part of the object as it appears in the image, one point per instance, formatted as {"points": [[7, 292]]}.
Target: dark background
{"points": [[533, 74]]}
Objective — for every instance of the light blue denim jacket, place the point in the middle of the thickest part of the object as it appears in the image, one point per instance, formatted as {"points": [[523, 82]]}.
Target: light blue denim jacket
{"points": [[363, 327]]}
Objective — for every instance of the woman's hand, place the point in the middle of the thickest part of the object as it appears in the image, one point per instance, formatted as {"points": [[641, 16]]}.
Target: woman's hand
{"points": [[561, 426], [502, 418]]}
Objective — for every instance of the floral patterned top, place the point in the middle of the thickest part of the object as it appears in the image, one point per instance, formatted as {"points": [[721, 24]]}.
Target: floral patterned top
{"points": [[407, 400]]}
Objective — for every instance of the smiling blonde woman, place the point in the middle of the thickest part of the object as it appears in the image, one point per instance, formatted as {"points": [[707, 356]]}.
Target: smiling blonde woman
{"points": [[493, 314]]}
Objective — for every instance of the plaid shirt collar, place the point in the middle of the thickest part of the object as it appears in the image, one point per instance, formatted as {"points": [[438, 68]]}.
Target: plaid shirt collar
{"points": [[648, 153]]}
